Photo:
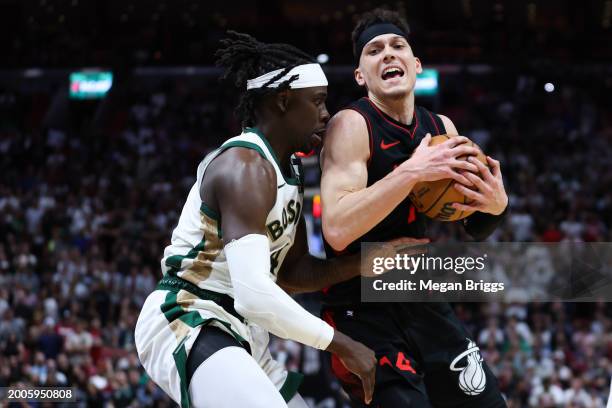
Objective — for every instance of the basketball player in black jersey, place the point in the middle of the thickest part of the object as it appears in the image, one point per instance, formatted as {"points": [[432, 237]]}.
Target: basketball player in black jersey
{"points": [[375, 151]]}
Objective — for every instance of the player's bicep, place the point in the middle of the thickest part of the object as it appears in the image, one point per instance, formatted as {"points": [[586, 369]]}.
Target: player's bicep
{"points": [[344, 158], [245, 193]]}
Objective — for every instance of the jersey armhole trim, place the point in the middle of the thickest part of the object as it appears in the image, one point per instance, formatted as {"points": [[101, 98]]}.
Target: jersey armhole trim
{"points": [[209, 212], [369, 126], [242, 143], [291, 385], [289, 180], [435, 118]]}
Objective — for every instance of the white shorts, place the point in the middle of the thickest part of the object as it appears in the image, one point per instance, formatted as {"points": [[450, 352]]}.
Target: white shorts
{"points": [[169, 324]]}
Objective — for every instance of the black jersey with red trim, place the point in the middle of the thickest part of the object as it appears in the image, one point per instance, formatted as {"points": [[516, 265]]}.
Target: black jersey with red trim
{"points": [[391, 143]]}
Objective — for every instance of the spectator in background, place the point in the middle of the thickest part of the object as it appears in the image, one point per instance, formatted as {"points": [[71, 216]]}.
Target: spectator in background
{"points": [[78, 343], [49, 342], [492, 333]]}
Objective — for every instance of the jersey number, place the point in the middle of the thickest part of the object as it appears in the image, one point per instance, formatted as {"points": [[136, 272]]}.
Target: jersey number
{"points": [[401, 363], [274, 261]]}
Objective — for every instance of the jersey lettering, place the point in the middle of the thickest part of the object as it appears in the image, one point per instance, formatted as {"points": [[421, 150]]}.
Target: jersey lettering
{"points": [[288, 216], [447, 211], [298, 210], [276, 229], [291, 211]]}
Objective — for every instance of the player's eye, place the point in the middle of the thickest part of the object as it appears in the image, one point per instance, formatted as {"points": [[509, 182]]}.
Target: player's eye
{"points": [[319, 101], [373, 51]]}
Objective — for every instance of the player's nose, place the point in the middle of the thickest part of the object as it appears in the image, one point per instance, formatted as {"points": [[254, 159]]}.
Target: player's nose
{"points": [[324, 114], [388, 53]]}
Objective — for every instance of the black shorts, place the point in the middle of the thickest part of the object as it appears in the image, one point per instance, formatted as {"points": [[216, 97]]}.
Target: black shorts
{"points": [[210, 340], [425, 357]]}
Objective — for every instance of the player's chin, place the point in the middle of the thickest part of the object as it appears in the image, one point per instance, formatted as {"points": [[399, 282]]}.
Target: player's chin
{"points": [[395, 88], [315, 139], [311, 143], [396, 92]]}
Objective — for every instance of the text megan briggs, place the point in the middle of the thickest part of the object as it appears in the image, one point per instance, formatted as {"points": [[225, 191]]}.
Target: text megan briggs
{"points": [[442, 287]]}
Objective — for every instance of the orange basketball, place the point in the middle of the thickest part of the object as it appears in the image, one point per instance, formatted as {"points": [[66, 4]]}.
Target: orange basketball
{"points": [[435, 198]]}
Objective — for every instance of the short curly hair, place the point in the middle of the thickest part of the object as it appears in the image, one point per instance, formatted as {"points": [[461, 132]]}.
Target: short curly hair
{"points": [[376, 16]]}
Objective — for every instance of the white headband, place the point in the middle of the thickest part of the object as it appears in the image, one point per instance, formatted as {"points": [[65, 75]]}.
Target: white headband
{"points": [[309, 75]]}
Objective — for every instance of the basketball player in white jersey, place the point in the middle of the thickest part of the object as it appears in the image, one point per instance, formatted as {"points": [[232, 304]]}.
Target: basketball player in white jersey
{"points": [[202, 335]]}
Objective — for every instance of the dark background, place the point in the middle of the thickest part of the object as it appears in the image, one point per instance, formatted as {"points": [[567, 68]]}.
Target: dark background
{"points": [[129, 32]]}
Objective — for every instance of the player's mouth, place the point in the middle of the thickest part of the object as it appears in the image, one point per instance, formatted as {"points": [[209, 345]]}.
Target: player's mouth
{"points": [[392, 72]]}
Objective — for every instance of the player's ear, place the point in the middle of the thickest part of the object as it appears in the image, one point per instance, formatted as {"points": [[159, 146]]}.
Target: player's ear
{"points": [[359, 77], [419, 67], [282, 100]]}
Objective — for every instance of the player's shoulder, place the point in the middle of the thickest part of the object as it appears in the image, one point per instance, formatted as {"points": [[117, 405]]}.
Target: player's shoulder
{"points": [[448, 124], [242, 167], [348, 115], [444, 118], [346, 138], [346, 123], [242, 154]]}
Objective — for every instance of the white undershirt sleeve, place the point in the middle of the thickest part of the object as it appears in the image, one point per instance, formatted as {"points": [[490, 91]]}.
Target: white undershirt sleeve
{"points": [[260, 300]]}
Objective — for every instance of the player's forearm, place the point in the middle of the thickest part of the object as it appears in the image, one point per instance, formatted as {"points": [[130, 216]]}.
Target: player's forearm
{"points": [[261, 301], [358, 212], [312, 274]]}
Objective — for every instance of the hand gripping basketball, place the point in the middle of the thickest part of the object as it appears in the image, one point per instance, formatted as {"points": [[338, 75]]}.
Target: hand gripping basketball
{"points": [[435, 195]]}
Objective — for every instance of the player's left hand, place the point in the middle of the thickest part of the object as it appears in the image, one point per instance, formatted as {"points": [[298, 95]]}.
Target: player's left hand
{"points": [[489, 195]]}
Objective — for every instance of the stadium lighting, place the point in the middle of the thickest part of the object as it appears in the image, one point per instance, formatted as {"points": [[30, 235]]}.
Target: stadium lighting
{"points": [[90, 84], [322, 58], [549, 87], [427, 83]]}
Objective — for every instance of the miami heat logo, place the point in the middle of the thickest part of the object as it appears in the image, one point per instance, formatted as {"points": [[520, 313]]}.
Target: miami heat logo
{"points": [[472, 379]]}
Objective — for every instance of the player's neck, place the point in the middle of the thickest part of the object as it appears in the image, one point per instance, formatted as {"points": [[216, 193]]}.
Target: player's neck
{"points": [[401, 109]]}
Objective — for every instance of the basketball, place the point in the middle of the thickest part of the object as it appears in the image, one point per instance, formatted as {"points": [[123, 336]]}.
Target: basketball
{"points": [[435, 198]]}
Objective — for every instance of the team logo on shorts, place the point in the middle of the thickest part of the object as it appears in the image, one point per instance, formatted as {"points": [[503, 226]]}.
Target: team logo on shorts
{"points": [[472, 379]]}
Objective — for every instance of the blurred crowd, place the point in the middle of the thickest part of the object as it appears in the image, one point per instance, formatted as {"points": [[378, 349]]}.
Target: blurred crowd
{"points": [[87, 206]]}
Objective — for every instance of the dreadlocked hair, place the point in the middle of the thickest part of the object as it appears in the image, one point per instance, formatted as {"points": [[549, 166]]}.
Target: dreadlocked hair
{"points": [[244, 58]]}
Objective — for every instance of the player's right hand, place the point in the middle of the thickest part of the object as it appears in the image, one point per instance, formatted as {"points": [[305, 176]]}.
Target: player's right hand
{"points": [[358, 359], [431, 163]]}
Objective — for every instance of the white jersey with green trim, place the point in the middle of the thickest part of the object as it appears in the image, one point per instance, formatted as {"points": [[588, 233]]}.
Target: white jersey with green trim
{"points": [[196, 252]]}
